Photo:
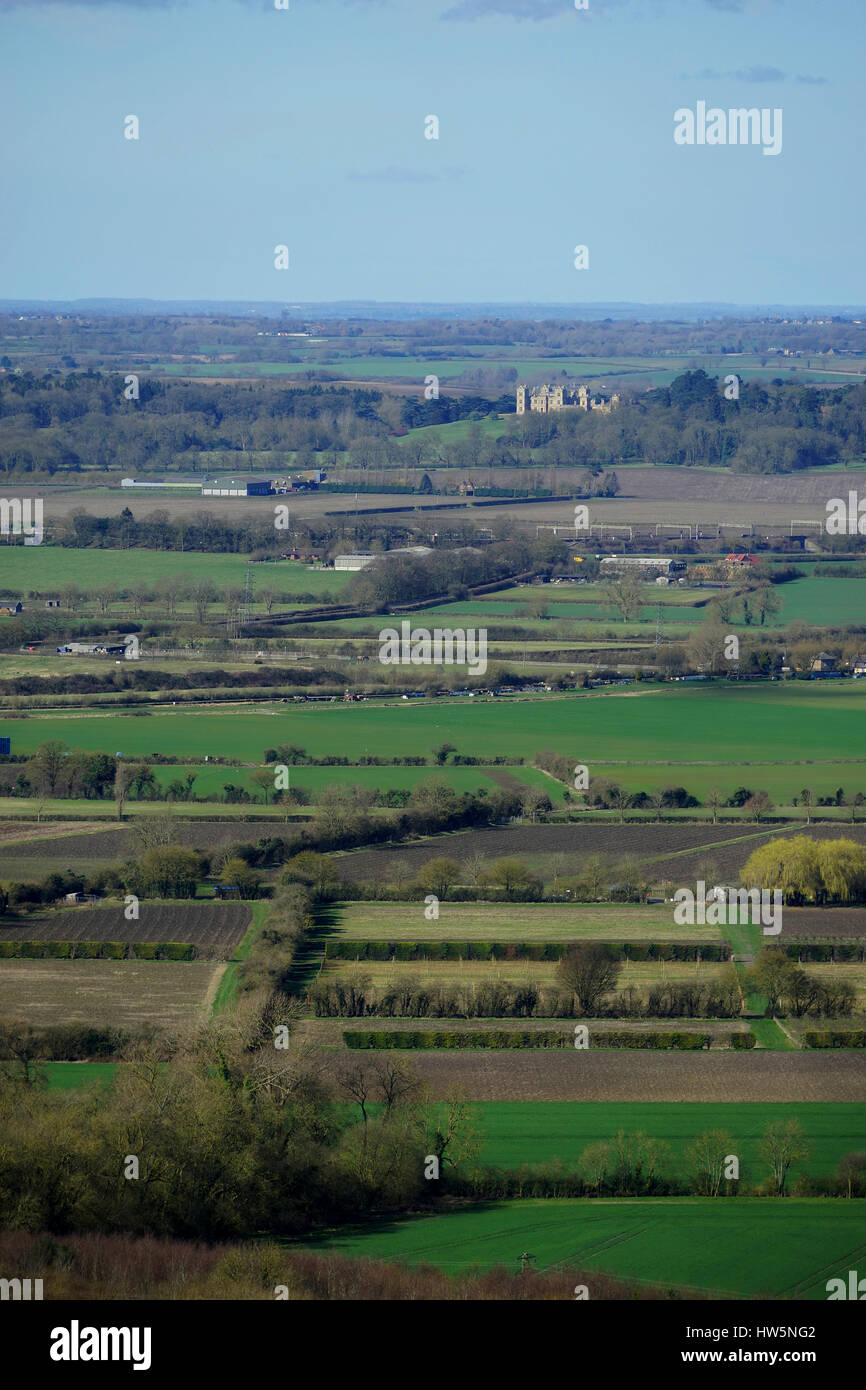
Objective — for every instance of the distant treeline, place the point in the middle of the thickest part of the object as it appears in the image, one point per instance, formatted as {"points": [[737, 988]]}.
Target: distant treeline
{"points": [[77, 420]]}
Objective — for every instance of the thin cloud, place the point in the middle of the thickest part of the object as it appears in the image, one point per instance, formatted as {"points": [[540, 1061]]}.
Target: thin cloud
{"points": [[511, 9], [812, 81], [755, 74], [758, 74], [394, 173]]}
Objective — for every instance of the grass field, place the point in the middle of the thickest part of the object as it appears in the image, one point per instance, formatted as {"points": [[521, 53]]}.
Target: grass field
{"points": [[749, 1248], [640, 974], [511, 922], [48, 568], [716, 722], [822, 602]]}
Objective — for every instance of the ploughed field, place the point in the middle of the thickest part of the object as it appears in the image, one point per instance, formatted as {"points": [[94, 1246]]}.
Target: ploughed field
{"points": [[677, 851], [760, 1075], [213, 928], [90, 850]]}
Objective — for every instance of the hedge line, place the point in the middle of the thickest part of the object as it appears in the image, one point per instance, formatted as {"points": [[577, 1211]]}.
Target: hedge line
{"points": [[519, 950], [827, 950], [96, 950], [499, 1038], [852, 1037]]}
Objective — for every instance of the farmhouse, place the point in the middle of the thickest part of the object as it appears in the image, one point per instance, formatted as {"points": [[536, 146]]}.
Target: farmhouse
{"points": [[860, 665], [823, 664]]}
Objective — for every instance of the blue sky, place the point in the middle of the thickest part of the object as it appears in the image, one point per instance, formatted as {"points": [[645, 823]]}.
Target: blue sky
{"points": [[305, 127]]}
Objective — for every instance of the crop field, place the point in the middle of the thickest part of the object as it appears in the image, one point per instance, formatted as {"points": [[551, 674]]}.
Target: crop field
{"points": [[214, 928], [722, 722], [822, 602], [130, 994], [782, 781], [48, 568], [748, 1248], [546, 1132], [512, 921], [210, 780]]}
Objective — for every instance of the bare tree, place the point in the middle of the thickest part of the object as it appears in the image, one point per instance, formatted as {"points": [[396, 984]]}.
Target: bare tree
{"points": [[783, 1143], [589, 972], [707, 1159], [714, 801]]}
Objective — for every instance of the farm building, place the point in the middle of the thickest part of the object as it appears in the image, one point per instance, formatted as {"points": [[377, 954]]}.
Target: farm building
{"points": [[8, 610], [52, 603], [360, 562], [860, 665], [663, 563], [243, 487], [82, 899], [127, 647]]}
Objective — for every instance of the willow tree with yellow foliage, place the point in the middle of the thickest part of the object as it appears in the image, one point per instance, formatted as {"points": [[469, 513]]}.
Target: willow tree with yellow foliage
{"points": [[809, 871]]}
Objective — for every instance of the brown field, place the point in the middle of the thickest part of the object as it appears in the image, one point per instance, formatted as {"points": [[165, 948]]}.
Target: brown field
{"points": [[213, 928], [631, 1076], [88, 851], [120, 841], [104, 993], [21, 831], [574, 842], [823, 921], [648, 495]]}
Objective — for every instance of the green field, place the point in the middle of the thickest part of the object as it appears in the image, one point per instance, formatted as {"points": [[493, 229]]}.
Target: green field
{"points": [[822, 602], [70, 1076], [527, 1132], [48, 568], [748, 1248], [781, 781], [511, 922], [716, 722], [639, 372], [211, 780]]}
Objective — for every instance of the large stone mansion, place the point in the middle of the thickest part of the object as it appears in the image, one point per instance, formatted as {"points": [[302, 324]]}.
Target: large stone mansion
{"points": [[547, 398]]}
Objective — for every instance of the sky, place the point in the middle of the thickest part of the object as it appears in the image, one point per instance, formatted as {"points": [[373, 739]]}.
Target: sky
{"points": [[305, 128]]}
